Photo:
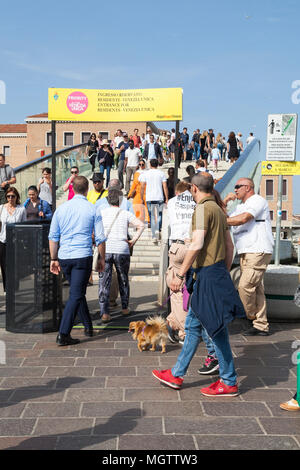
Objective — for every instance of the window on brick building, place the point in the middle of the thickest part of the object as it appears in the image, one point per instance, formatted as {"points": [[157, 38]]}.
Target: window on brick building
{"points": [[6, 150], [269, 189], [105, 135], [68, 139], [284, 190], [271, 215], [284, 215], [48, 139], [85, 137]]}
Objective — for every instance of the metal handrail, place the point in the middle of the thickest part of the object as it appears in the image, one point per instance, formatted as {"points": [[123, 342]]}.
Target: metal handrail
{"points": [[248, 165], [46, 157]]}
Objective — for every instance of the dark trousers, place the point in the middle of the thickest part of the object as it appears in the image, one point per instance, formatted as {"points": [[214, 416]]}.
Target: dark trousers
{"points": [[92, 158], [122, 264], [3, 263], [77, 271]]}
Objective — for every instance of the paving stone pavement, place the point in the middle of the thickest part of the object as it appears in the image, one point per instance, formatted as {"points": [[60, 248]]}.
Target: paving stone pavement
{"points": [[100, 394]]}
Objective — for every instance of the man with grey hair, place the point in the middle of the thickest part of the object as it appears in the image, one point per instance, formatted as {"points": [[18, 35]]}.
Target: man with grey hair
{"points": [[214, 301], [124, 203], [252, 233]]}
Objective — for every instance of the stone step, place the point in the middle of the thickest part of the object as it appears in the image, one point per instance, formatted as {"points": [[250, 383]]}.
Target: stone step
{"points": [[147, 246], [144, 258], [143, 278], [143, 271], [144, 264]]}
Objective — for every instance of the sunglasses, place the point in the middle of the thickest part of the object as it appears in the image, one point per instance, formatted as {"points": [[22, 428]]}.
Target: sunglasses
{"points": [[74, 172], [238, 186], [10, 195], [141, 164]]}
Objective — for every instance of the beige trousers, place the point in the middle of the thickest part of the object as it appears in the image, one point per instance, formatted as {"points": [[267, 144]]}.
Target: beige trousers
{"points": [[251, 288], [177, 317]]}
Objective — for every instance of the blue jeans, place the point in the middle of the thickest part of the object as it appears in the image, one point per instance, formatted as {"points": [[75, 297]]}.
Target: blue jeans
{"points": [[196, 154], [77, 271], [155, 222], [194, 331], [208, 343], [220, 147], [108, 168]]}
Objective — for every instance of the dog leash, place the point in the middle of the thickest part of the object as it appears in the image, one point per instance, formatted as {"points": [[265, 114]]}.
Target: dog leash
{"points": [[165, 301]]}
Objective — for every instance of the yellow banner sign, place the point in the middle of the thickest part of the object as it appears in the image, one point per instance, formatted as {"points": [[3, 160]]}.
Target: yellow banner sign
{"points": [[280, 168], [157, 104]]}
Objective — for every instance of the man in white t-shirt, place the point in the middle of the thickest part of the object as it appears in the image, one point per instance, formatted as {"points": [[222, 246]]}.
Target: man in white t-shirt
{"points": [[200, 167], [179, 212], [252, 233], [250, 138], [155, 182], [132, 158]]}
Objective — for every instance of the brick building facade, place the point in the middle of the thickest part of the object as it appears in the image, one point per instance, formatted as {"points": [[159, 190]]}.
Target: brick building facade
{"points": [[22, 143], [269, 190]]}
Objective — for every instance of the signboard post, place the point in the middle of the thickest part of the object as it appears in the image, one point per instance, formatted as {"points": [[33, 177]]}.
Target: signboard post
{"points": [[281, 148]]}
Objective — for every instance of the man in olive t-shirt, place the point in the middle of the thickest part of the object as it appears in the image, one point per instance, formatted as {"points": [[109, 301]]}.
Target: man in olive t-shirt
{"points": [[208, 216], [211, 249]]}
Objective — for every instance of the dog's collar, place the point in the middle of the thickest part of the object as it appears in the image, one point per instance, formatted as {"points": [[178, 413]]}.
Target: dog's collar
{"points": [[143, 331]]}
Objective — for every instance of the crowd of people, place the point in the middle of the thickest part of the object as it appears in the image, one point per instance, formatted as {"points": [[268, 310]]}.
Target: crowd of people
{"points": [[91, 232], [124, 151]]}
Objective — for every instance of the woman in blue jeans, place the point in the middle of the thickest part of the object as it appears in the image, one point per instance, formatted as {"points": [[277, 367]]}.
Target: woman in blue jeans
{"points": [[106, 159]]}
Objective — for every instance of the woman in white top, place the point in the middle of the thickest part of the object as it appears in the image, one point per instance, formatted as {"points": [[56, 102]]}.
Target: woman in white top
{"points": [[45, 186], [10, 213], [117, 251]]}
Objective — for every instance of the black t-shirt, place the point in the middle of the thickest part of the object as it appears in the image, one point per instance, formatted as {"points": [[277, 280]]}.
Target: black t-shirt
{"points": [[196, 138], [210, 137], [233, 150], [93, 144]]}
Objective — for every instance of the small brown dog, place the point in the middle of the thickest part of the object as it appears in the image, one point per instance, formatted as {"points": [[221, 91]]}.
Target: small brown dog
{"points": [[152, 332]]}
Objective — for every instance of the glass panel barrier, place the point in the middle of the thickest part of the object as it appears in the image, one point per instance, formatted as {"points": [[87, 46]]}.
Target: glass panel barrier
{"points": [[31, 173]]}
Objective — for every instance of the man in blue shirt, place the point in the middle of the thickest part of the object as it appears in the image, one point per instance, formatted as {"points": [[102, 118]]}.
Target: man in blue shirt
{"points": [[122, 147], [71, 228]]}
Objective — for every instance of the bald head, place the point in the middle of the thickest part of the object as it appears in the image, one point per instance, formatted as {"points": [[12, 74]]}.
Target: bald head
{"points": [[114, 183], [244, 189], [248, 181]]}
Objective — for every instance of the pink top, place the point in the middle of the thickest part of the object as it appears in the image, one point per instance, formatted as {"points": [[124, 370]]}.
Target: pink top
{"points": [[71, 190]]}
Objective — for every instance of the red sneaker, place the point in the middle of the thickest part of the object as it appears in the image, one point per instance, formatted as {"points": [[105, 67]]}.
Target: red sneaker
{"points": [[167, 378], [220, 389]]}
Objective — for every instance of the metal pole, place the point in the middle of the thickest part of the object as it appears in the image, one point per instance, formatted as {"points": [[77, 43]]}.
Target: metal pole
{"points": [[53, 144], [176, 153], [278, 220]]}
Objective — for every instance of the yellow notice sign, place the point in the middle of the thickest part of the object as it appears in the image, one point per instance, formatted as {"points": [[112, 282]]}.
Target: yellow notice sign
{"points": [[280, 168], [157, 104]]}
